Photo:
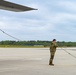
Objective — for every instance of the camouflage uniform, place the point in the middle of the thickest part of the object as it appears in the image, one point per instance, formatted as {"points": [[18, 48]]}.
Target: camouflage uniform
{"points": [[53, 47]]}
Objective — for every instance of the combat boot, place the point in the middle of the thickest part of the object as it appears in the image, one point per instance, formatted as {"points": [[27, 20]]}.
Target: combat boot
{"points": [[50, 63]]}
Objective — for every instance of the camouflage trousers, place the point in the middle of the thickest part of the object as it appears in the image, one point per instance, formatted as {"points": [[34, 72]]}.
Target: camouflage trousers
{"points": [[52, 53]]}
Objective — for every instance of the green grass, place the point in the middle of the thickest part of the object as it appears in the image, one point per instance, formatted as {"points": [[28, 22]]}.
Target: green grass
{"points": [[20, 46]]}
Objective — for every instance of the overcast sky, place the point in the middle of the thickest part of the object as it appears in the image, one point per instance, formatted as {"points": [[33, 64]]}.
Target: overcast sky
{"points": [[53, 19]]}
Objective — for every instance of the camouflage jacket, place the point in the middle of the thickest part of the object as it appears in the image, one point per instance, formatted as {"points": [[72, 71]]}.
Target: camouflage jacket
{"points": [[53, 46]]}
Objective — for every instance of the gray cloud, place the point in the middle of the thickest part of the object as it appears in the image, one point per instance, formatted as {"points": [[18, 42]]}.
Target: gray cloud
{"points": [[53, 19]]}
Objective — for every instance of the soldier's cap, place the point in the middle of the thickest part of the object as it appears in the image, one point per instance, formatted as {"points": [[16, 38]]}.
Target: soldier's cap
{"points": [[54, 39]]}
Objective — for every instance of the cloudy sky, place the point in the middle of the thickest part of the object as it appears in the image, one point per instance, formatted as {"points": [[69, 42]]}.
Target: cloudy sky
{"points": [[53, 19]]}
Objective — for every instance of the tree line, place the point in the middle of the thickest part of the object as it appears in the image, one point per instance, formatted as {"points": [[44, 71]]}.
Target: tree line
{"points": [[37, 43]]}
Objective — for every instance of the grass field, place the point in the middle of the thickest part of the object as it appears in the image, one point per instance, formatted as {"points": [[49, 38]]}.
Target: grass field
{"points": [[19, 46]]}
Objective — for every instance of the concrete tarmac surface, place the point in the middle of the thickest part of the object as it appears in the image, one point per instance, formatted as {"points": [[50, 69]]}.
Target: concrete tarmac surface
{"points": [[34, 61]]}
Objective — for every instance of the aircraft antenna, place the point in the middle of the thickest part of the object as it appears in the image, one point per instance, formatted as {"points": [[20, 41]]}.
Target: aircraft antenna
{"points": [[69, 53], [9, 35]]}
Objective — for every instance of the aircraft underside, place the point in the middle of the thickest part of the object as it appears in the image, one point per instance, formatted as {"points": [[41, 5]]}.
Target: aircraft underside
{"points": [[5, 5]]}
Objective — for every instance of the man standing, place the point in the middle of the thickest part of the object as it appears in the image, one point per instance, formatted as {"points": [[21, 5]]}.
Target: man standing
{"points": [[53, 47]]}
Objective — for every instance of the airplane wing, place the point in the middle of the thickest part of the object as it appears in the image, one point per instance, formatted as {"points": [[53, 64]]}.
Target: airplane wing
{"points": [[5, 5]]}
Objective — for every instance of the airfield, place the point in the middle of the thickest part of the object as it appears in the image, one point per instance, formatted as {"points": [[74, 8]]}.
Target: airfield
{"points": [[34, 61]]}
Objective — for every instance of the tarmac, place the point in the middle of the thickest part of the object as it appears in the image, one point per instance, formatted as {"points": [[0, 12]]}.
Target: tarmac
{"points": [[35, 61]]}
